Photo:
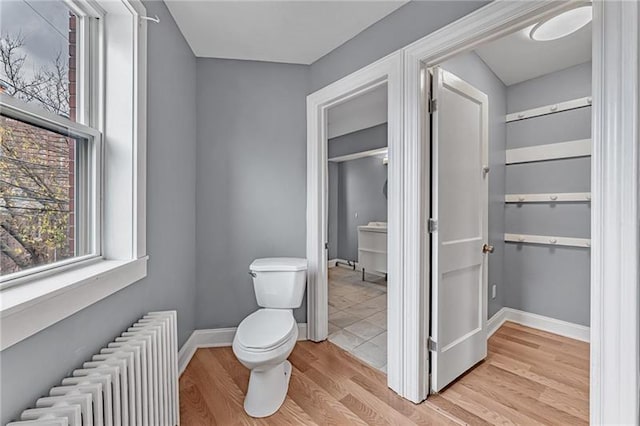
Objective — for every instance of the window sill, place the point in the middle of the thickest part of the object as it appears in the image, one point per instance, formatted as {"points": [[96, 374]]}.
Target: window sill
{"points": [[31, 307]]}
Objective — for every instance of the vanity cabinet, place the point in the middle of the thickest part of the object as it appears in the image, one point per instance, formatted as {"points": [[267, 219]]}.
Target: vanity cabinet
{"points": [[372, 247]]}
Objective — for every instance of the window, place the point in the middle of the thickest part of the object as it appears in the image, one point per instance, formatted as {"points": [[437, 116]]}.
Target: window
{"points": [[49, 156], [45, 189], [82, 93], [38, 54]]}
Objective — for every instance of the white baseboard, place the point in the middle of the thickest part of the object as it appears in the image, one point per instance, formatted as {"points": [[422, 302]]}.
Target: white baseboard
{"points": [[214, 338], [551, 325], [496, 321], [203, 339]]}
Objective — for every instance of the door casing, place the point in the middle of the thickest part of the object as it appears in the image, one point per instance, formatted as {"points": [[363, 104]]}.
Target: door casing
{"points": [[385, 71]]}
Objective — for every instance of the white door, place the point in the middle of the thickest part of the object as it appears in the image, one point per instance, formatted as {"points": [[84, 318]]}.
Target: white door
{"points": [[459, 207]]}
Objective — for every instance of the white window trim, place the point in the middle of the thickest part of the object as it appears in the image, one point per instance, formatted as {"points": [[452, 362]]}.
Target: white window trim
{"points": [[30, 308], [55, 294]]}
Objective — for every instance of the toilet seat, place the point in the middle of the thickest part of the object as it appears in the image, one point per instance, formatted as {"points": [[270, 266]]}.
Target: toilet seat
{"points": [[266, 329]]}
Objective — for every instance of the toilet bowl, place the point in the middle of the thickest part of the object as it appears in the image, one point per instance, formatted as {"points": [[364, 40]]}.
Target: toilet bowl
{"points": [[265, 339], [263, 343]]}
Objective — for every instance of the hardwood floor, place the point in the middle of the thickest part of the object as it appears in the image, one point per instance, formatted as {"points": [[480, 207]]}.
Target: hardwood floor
{"points": [[529, 377]]}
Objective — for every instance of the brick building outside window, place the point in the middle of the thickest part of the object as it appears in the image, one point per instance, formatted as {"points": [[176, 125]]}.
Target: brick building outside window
{"points": [[38, 167]]}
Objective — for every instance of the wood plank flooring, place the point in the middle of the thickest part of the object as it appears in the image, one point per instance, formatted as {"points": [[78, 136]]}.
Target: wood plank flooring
{"points": [[529, 377]]}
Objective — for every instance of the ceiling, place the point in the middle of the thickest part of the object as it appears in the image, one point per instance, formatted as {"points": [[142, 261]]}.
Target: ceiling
{"points": [[364, 111], [516, 57], [298, 31]]}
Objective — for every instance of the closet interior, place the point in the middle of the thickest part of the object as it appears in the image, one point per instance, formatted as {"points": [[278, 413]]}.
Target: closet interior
{"points": [[538, 104], [547, 195], [540, 172]]}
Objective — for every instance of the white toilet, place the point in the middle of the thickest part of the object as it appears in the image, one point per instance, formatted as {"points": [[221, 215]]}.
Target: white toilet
{"points": [[265, 338]]}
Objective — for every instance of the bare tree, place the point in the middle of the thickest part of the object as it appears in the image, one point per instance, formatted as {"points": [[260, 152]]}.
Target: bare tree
{"points": [[36, 165], [48, 86]]}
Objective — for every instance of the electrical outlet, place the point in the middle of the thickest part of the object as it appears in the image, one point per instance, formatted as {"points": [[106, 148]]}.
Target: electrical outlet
{"points": [[494, 291]]}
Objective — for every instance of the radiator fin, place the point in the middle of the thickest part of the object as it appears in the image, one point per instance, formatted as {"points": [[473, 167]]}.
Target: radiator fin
{"points": [[132, 381]]}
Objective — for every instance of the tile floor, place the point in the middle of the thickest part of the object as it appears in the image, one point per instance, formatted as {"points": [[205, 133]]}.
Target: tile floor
{"points": [[358, 315]]}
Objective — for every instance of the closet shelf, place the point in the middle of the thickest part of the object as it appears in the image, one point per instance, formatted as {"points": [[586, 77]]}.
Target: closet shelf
{"points": [[552, 151], [549, 109], [558, 197], [548, 240], [357, 155]]}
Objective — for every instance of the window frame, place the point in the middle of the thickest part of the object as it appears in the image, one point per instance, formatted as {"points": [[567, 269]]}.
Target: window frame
{"points": [[118, 49], [33, 115], [88, 124]]}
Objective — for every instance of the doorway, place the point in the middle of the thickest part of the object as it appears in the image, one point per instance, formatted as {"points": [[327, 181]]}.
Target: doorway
{"points": [[524, 283], [386, 73], [357, 226]]}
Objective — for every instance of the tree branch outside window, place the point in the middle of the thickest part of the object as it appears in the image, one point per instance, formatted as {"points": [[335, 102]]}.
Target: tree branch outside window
{"points": [[37, 166]]}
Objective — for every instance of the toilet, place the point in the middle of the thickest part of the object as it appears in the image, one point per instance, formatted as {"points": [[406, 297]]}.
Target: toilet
{"points": [[264, 340]]}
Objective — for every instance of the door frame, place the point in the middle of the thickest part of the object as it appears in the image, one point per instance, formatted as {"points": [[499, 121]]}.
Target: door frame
{"points": [[615, 249], [386, 70]]}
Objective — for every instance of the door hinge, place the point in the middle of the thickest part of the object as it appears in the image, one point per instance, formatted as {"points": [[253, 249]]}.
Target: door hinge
{"points": [[326, 246], [432, 105], [432, 345], [432, 225]]}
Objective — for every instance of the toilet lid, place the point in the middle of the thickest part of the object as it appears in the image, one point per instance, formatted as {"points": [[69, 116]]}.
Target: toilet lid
{"points": [[265, 328]]}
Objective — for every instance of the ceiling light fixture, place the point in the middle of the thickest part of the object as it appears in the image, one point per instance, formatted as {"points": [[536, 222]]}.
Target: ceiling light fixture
{"points": [[562, 25]]}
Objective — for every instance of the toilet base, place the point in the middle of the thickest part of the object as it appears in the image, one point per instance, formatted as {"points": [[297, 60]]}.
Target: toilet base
{"points": [[267, 390]]}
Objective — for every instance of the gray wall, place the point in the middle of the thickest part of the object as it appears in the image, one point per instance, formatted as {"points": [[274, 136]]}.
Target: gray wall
{"points": [[251, 179], [550, 281], [472, 69], [251, 162], [361, 192], [251, 159], [29, 368], [342, 243], [409, 23]]}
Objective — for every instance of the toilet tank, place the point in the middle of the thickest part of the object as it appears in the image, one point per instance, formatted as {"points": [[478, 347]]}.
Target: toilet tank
{"points": [[279, 282]]}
